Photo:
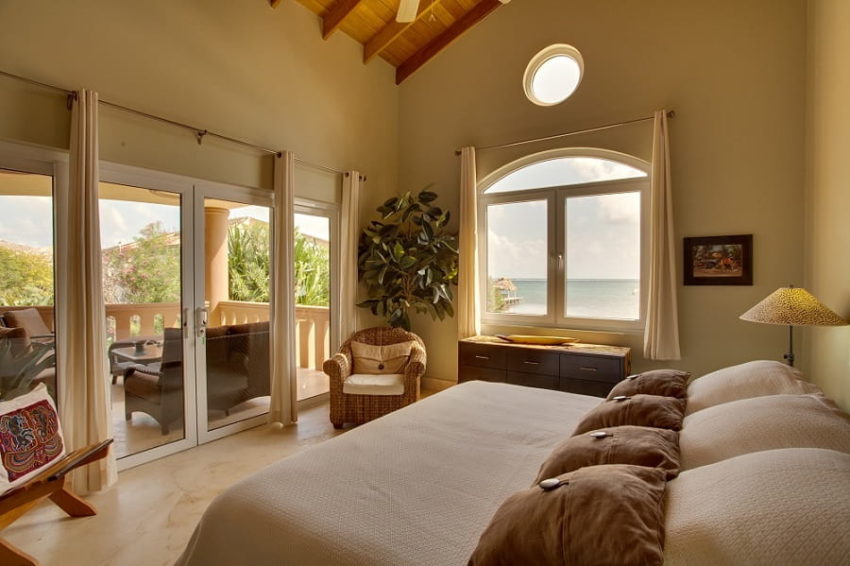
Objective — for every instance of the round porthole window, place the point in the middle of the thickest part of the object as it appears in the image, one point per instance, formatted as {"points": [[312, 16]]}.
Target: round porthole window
{"points": [[553, 74]]}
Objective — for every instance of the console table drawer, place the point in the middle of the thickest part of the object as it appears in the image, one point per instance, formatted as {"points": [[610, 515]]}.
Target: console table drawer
{"points": [[471, 373], [533, 361], [533, 380], [591, 368], [481, 355]]}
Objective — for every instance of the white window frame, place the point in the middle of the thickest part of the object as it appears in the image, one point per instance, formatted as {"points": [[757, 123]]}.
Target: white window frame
{"points": [[556, 230]]}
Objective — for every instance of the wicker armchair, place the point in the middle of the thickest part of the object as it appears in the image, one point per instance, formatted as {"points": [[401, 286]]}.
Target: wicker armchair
{"points": [[358, 409]]}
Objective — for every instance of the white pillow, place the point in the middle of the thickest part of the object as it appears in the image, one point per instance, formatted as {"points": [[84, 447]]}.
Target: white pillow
{"points": [[30, 437], [786, 507], [752, 379], [762, 423], [388, 359]]}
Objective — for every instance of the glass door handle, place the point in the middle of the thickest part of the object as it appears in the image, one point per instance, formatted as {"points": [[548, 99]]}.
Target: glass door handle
{"points": [[201, 320]]}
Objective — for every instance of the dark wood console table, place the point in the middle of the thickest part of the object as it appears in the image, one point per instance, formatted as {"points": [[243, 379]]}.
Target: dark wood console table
{"points": [[589, 369]]}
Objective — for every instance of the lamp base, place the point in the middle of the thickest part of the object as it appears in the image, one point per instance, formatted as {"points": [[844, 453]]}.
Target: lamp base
{"points": [[789, 357]]}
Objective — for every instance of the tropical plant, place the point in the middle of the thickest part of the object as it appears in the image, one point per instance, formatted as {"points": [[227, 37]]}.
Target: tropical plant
{"points": [[18, 369], [26, 277], [312, 271], [248, 262], [408, 261], [146, 271]]}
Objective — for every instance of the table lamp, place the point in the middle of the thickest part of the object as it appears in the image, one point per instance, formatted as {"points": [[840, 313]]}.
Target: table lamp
{"points": [[793, 306]]}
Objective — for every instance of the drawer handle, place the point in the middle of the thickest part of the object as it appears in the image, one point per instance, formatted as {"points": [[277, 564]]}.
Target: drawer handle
{"points": [[531, 363], [477, 357], [585, 368]]}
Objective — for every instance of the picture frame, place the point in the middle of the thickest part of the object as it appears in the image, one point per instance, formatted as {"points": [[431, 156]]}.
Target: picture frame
{"points": [[718, 260]]}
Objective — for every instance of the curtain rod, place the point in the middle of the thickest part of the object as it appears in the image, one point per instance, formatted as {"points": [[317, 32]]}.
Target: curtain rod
{"points": [[200, 133], [670, 114]]}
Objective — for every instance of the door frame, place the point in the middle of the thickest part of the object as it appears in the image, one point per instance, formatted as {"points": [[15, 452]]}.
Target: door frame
{"points": [[156, 180]]}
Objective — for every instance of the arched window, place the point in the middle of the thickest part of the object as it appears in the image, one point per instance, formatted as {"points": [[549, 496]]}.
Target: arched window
{"points": [[562, 237]]}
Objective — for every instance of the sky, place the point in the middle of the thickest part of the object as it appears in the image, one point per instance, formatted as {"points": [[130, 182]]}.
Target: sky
{"points": [[603, 238], [26, 220], [602, 231]]}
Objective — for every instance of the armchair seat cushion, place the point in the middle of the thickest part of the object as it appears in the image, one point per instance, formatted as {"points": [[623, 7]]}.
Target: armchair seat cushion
{"points": [[144, 385], [374, 384]]}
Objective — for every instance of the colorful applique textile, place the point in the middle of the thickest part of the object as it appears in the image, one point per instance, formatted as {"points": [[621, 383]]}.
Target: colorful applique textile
{"points": [[30, 437]]}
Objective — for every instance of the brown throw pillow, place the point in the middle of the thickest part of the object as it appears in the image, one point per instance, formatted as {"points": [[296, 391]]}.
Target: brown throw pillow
{"points": [[18, 338], [388, 359], [638, 410], [665, 382], [635, 445], [599, 515]]}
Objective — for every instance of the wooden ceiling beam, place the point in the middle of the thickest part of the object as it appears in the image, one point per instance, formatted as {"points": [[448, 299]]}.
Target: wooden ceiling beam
{"points": [[436, 45], [333, 19], [392, 31]]}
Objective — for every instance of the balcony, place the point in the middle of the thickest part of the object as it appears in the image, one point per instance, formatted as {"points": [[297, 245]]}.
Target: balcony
{"points": [[312, 330]]}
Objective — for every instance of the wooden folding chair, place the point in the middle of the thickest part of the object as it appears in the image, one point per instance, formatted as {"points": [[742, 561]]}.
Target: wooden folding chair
{"points": [[49, 483]]}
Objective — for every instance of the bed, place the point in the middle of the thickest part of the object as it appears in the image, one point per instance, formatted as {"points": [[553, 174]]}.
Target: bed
{"points": [[418, 486]]}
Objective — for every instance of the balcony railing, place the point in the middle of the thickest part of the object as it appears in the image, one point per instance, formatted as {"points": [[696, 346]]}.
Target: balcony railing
{"points": [[312, 327], [312, 324]]}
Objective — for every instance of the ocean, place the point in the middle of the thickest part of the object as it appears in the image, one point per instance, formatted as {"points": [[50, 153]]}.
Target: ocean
{"points": [[593, 298]]}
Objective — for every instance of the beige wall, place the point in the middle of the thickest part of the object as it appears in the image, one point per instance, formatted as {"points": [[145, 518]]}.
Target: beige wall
{"points": [[238, 68], [733, 71], [828, 191]]}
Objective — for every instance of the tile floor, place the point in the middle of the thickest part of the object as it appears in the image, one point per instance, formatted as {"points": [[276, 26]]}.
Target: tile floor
{"points": [[147, 518]]}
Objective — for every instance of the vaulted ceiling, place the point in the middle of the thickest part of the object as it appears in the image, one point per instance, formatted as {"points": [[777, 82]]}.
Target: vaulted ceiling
{"points": [[406, 46]]}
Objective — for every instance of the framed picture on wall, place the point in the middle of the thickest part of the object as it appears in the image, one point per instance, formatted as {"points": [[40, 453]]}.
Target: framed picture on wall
{"points": [[718, 260]]}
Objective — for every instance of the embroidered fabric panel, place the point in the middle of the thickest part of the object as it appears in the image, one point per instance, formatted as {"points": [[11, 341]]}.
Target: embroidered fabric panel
{"points": [[29, 439]]}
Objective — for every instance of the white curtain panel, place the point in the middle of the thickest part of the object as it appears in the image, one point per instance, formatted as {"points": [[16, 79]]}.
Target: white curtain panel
{"points": [[84, 396], [661, 336], [284, 408], [349, 236], [468, 310]]}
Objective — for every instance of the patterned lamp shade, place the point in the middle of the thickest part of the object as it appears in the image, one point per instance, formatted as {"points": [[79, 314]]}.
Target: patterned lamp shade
{"points": [[793, 306]]}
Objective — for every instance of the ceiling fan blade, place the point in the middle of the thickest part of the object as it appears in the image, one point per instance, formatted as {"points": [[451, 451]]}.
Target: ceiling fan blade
{"points": [[407, 11]]}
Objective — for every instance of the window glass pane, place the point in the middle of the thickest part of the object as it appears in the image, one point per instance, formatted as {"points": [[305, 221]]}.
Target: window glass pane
{"points": [[603, 256], [27, 344], [564, 171], [237, 244], [140, 250], [556, 79], [312, 302], [517, 251]]}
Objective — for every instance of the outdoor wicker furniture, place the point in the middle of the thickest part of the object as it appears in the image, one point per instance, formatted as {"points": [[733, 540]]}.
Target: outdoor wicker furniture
{"points": [[358, 409]]}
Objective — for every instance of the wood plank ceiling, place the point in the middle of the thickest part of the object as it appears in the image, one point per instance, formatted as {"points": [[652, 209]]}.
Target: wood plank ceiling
{"points": [[406, 46]]}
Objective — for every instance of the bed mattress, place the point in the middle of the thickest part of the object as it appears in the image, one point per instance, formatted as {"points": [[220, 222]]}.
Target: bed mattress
{"points": [[416, 487]]}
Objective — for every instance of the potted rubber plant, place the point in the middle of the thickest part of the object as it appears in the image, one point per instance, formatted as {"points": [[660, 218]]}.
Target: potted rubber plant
{"points": [[408, 260]]}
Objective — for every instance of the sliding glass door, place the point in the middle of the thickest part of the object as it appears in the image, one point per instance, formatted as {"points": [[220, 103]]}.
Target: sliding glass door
{"points": [[27, 339], [186, 268], [146, 235], [232, 308]]}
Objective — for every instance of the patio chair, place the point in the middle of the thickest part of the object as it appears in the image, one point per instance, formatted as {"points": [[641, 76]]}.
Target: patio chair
{"points": [[158, 391], [360, 398]]}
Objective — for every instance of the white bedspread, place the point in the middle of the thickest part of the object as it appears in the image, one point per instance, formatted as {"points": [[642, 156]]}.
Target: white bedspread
{"points": [[416, 487]]}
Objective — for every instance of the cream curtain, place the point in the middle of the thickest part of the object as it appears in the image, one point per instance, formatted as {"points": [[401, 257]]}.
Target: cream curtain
{"points": [[349, 236], [468, 319], [284, 408], [84, 397], [661, 336]]}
